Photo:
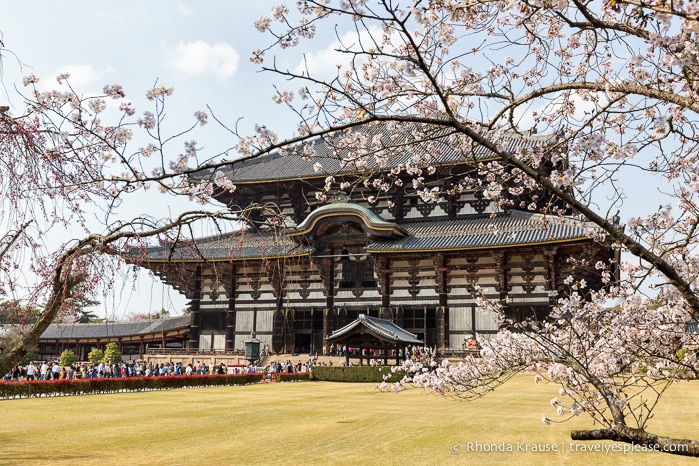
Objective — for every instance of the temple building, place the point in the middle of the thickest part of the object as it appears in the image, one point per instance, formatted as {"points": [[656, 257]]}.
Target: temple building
{"points": [[379, 243]]}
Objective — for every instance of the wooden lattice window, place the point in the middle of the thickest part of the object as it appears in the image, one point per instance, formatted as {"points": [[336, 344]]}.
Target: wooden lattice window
{"points": [[357, 271]]}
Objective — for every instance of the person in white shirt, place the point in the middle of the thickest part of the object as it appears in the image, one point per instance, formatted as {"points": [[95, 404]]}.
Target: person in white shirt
{"points": [[55, 371], [44, 371], [31, 371]]}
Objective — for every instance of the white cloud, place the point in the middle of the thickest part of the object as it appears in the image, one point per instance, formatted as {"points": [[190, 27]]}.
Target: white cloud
{"points": [[184, 10], [197, 58], [577, 109], [325, 62], [82, 76]]}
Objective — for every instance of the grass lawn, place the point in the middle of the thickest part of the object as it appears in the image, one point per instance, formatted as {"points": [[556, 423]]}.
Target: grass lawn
{"points": [[314, 423]]}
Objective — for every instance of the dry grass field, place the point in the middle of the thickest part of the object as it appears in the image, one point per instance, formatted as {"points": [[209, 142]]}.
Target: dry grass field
{"points": [[313, 423]]}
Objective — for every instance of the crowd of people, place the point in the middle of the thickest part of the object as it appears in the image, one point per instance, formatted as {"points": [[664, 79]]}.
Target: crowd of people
{"points": [[414, 352], [52, 370], [288, 367]]}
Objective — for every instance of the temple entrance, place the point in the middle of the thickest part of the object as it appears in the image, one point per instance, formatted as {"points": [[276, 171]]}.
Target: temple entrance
{"points": [[421, 321], [302, 343]]}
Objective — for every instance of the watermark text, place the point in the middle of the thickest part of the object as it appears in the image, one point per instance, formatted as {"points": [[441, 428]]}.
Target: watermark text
{"points": [[562, 447]]}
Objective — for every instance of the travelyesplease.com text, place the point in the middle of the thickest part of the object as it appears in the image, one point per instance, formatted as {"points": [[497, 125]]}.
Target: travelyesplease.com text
{"points": [[562, 447]]}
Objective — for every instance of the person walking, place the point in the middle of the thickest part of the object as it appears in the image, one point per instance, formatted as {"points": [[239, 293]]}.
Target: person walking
{"points": [[31, 371]]}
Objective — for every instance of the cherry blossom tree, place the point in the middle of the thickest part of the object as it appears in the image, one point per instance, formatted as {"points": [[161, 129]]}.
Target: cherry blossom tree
{"points": [[611, 364], [64, 174], [616, 82]]}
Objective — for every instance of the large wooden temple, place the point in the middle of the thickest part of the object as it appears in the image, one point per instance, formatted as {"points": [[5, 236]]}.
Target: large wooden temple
{"points": [[307, 263]]}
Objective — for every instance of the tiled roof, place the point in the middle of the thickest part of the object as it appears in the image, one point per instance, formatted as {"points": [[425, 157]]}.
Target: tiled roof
{"points": [[381, 328], [507, 230], [514, 229], [438, 150], [114, 329], [242, 244]]}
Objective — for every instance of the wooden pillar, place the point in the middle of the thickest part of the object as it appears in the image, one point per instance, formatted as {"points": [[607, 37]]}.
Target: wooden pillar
{"points": [[326, 269], [194, 326], [289, 330], [277, 330], [551, 275], [502, 275], [383, 271], [424, 324], [442, 285], [280, 325], [441, 324], [230, 312]]}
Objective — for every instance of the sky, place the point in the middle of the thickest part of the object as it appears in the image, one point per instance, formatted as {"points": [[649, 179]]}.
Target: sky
{"points": [[200, 48]]}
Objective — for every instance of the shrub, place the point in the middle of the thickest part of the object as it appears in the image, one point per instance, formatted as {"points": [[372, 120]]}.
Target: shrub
{"points": [[9, 390], [112, 353], [95, 356], [295, 377], [68, 357], [354, 373]]}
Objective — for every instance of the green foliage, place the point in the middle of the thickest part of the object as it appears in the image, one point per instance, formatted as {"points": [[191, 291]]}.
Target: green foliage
{"points": [[14, 313], [682, 353], [30, 356], [95, 356], [295, 377], [112, 353], [9, 390], [12, 339], [68, 357], [354, 373], [85, 316]]}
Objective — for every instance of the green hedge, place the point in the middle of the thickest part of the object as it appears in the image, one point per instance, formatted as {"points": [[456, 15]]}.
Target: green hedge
{"points": [[127, 384], [286, 377], [354, 373]]}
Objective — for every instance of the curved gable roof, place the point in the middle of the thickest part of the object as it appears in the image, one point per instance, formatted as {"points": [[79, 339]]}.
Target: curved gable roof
{"points": [[371, 223], [382, 329]]}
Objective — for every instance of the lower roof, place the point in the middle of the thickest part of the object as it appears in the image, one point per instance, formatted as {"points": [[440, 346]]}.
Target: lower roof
{"points": [[511, 229], [73, 331]]}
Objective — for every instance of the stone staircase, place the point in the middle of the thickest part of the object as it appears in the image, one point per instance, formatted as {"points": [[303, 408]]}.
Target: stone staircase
{"points": [[303, 357]]}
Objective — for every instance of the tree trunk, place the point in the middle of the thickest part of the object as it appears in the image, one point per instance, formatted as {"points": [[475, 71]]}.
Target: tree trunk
{"points": [[60, 291], [640, 437]]}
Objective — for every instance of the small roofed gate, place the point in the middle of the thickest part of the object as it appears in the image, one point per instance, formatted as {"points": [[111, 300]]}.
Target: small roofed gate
{"points": [[366, 333], [339, 317]]}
